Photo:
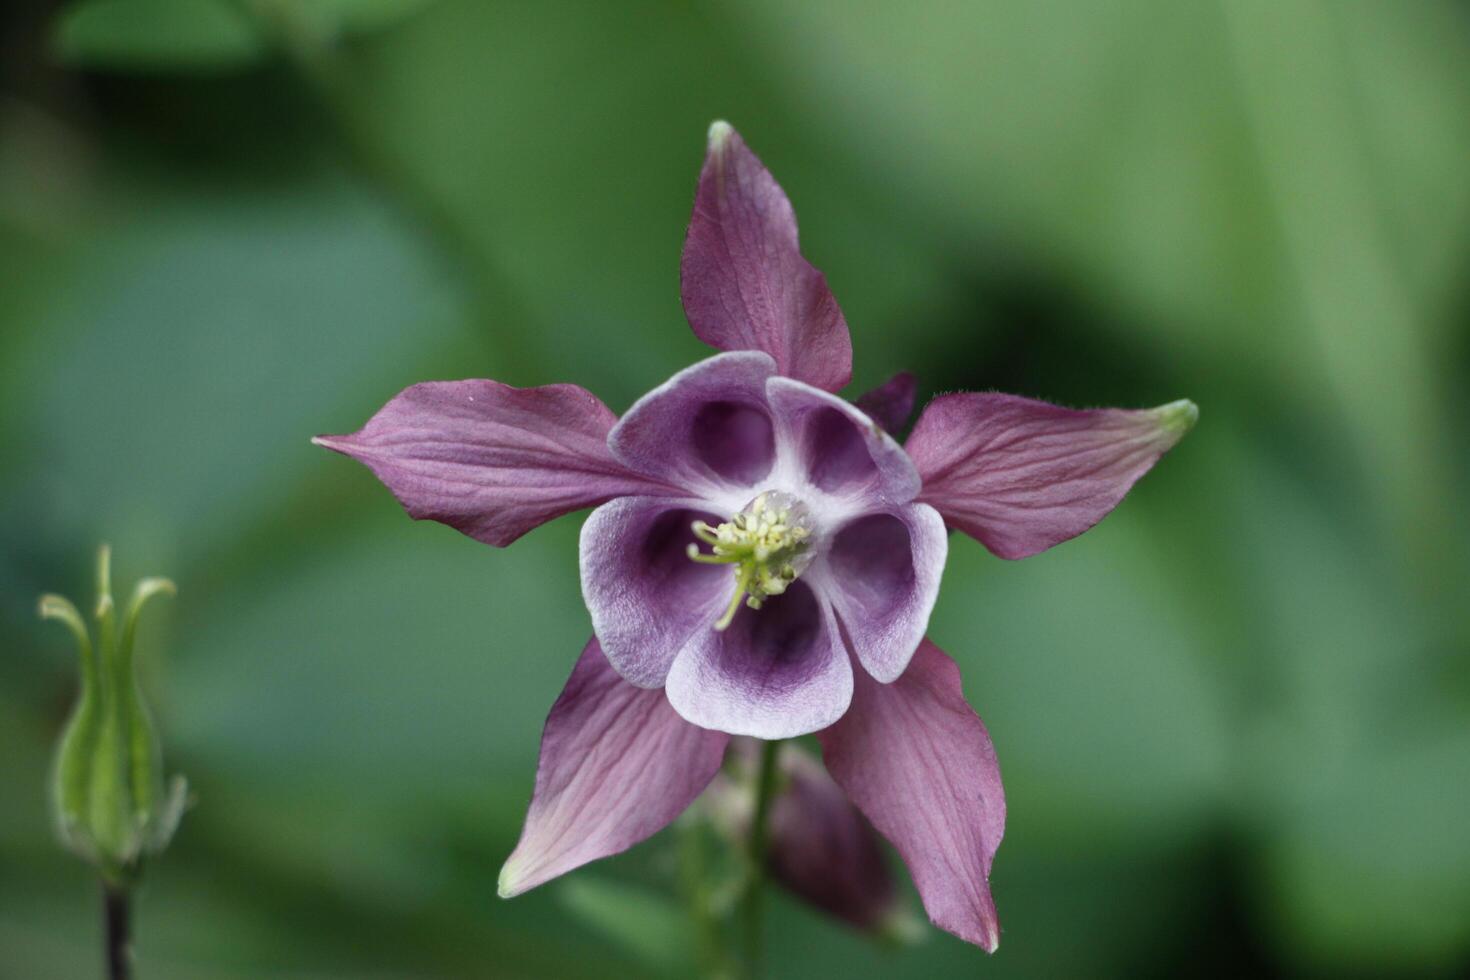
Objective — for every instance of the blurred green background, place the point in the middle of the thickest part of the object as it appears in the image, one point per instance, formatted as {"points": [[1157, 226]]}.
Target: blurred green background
{"points": [[1234, 720]]}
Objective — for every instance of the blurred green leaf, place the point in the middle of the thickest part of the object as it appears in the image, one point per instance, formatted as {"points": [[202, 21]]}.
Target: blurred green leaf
{"points": [[1370, 865], [1062, 915], [1093, 632], [154, 35], [1356, 763], [411, 661], [213, 333], [332, 17], [649, 925], [1267, 190], [579, 188]]}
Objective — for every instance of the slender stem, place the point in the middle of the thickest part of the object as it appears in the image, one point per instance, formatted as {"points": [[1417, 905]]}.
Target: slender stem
{"points": [[751, 910], [694, 877], [118, 929]]}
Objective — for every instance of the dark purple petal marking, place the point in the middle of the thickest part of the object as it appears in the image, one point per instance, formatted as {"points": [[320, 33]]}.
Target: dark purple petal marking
{"points": [[776, 672], [491, 460], [842, 451], [882, 578], [737, 442], [645, 596], [919, 764], [836, 451], [706, 428], [742, 277], [891, 403], [1022, 475], [617, 765]]}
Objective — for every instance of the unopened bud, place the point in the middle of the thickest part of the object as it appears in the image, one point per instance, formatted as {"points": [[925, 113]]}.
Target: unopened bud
{"points": [[107, 791], [820, 848]]}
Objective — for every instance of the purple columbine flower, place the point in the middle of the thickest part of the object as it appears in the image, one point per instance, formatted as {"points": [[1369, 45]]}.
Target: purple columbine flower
{"points": [[764, 556]]}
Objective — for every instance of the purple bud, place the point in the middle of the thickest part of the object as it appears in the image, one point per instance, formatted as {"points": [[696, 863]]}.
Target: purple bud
{"points": [[820, 847]]}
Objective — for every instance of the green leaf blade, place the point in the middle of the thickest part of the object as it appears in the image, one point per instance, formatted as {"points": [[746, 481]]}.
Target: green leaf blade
{"points": [[157, 35]]}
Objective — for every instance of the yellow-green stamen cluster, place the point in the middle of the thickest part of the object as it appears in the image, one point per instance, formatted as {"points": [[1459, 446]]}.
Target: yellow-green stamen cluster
{"points": [[766, 544]]}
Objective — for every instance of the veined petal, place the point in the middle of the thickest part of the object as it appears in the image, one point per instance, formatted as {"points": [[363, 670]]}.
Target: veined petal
{"points": [[491, 460], [881, 574], [776, 672], [742, 277], [645, 596], [617, 765], [839, 449], [1022, 475], [708, 428], [918, 762], [891, 403]]}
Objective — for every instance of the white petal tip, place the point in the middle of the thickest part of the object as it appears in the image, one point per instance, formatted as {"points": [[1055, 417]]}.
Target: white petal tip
{"points": [[1178, 417], [719, 133], [508, 886], [886, 673]]}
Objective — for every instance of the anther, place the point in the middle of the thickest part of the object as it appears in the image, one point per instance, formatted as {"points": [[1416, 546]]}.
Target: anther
{"points": [[766, 544]]}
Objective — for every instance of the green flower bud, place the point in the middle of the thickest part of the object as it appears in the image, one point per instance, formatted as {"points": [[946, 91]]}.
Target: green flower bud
{"points": [[107, 788]]}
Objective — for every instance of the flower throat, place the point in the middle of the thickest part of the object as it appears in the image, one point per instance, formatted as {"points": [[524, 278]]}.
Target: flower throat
{"points": [[767, 545]]}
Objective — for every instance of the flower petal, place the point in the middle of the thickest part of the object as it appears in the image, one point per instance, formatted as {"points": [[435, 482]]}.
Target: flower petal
{"points": [[881, 574], [617, 765], [743, 280], [823, 849], [645, 596], [491, 460], [891, 403], [776, 672], [839, 449], [918, 762], [708, 428], [1023, 475]]}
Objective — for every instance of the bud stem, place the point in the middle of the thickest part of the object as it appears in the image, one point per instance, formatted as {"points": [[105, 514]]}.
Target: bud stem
{"points": [[117, 928], [751, 907]]}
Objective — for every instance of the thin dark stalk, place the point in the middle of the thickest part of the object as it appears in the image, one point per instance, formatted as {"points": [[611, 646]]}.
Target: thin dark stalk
{"points": [[752, 907], [117, 924]]}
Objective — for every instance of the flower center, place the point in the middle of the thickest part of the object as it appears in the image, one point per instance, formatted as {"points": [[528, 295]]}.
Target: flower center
{"points": [[766, 543]]}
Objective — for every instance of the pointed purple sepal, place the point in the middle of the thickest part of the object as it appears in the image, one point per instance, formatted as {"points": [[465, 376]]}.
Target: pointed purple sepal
{"points": [[891, 403], [491, 460], [1021, 476], [918, 763], [743, 280], [617, 765]]}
